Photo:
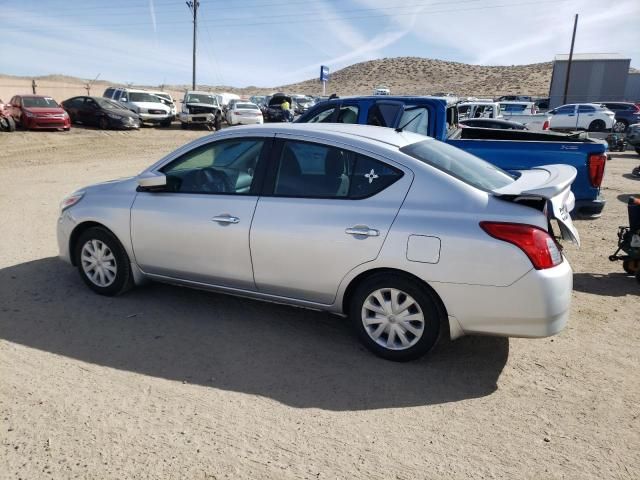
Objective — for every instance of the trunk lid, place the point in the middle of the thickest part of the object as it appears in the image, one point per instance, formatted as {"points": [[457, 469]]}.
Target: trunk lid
{"points": [[553, 184]]}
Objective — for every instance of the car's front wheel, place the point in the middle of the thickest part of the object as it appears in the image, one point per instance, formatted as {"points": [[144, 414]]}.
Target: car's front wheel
{"points": [[395, 317], [103, 262]]}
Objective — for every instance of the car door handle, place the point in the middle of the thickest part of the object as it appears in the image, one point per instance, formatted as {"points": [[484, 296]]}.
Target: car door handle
{"points": [[225, 219], [359, 230]]}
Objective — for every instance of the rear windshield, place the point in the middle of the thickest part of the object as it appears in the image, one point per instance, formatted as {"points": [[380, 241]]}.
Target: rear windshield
{"points": [[459, 164], [248, 106]]}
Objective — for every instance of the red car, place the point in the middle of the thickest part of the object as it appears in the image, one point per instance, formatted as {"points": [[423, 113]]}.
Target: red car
{"points": [[38, 111]]}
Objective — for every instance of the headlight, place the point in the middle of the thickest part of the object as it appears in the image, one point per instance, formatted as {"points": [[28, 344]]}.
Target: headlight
{"points": [[65, 114], [71, 200], [114, 116], [28, 113]]}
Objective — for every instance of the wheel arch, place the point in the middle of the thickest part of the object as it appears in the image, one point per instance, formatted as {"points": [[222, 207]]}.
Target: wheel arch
{"points": [[79, 230], [353, 284]]}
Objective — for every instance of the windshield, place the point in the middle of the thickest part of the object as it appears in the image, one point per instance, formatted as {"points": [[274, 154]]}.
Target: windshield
{"points": [[143, 97], [459, 164], [108, 104], [201, 98], [39, 102]]}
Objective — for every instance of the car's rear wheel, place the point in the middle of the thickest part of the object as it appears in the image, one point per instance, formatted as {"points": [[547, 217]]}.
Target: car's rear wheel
{"points": [[103, 262], [395, 317], [637, 150], [103, 123], [620, 126], [597, 126], [631, 266]]}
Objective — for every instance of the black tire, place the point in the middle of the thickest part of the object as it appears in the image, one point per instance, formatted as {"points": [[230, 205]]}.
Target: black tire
{"points": [[620, 126], [103, 123], [184, 125], [165, 123], [597, 126], [637, 149], [632, 267], [428, 305], [123, 280], [7, 124]]}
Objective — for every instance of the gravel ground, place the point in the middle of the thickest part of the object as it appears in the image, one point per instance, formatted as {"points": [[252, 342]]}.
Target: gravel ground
{"points": [[167, 382]]}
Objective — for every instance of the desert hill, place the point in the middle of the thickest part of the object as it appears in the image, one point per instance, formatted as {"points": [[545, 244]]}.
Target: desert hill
{"points": [[403, 75]]}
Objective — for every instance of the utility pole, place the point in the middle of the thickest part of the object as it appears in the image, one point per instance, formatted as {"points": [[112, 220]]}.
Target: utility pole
{"points": [[573, 41], [193, 6]]}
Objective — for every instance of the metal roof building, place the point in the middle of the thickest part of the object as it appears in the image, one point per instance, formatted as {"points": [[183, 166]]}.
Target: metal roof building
{"points": [[594, 77]]}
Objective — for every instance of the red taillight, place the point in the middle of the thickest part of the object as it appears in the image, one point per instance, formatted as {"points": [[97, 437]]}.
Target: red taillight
{"points": [[596, 165], [536, 243], [545, 125], [237, 113]]}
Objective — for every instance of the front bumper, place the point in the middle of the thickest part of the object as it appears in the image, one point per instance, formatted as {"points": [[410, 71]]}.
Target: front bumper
{"points": [[536, 305], [125, 122], [154, 117], [197, 118], [65, 226], [46, 122]]}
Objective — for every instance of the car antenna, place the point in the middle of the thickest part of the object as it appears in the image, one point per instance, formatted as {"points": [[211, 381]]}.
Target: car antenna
{"points": [[401, 127]]}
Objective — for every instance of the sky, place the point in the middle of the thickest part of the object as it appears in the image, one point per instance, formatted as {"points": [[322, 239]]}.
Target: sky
{"points": [[276, 42]]}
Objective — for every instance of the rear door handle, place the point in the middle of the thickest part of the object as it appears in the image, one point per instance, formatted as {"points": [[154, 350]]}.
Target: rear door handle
{"points": [[362, 230], [225, 219]]}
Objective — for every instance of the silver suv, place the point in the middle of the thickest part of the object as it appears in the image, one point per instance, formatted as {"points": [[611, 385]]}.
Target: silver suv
{"points": [[148, 106]]}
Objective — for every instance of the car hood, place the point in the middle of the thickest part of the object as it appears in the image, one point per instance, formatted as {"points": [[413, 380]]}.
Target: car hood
{"points": [[151, 105], [552, 183], [123, 112], [55, 110]]}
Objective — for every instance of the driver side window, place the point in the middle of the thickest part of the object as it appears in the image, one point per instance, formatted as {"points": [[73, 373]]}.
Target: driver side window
{"points": [[226, 167]]}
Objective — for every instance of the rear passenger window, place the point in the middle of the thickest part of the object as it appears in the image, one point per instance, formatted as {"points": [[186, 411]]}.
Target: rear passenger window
{"points": [[586, 109], [415, 119], [383, 114], [325, 116], [348, 114], [319, 171]]}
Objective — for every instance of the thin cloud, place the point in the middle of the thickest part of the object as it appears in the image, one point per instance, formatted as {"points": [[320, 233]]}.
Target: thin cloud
{"points": [[152, 12]]}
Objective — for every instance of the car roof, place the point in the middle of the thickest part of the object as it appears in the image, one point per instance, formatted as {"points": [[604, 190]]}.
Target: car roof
{"points": [[200, 92], [380, 135]]}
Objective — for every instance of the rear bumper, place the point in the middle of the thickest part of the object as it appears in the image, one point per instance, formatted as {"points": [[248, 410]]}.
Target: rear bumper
{"points": [[537, 305], [588, 208]]}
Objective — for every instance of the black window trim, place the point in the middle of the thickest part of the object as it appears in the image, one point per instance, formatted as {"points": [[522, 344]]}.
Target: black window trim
{"points": [[258, 178], [269, 181]]}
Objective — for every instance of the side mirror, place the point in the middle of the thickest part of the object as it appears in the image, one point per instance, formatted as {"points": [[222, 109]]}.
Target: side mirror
{"points": [[123, 99], [152, 183]]}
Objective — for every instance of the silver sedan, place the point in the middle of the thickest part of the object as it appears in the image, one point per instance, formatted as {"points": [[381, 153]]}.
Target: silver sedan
{"points": [[411, 238]]}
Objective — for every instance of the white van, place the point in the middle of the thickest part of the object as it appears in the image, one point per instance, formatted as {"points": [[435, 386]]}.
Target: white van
{"points": [[149, 107]]}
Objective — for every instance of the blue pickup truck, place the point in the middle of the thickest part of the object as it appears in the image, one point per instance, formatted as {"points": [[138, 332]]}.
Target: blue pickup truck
{"points": [[510, 150]]}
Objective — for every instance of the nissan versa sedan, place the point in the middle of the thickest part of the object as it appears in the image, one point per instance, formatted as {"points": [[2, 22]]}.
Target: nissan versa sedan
{"points": [[411, 238]]}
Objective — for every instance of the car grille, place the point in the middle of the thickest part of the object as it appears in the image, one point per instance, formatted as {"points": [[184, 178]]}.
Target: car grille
{"points": [[200, 110], [157, 112]]}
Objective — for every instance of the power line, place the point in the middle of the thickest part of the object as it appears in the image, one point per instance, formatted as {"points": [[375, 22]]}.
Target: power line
{"points": [[218, 23]]}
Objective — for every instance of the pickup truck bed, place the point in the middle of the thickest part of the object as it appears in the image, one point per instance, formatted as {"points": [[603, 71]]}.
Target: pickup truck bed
{"points": [[504, 148], [509, 149]]}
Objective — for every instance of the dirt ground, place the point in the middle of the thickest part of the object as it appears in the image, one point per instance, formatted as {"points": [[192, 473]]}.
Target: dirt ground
{"points": [[167, 382]]}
